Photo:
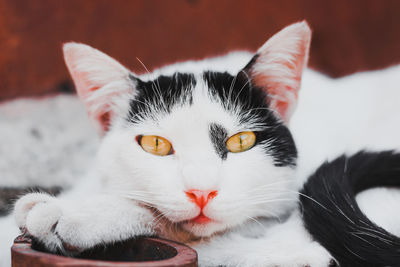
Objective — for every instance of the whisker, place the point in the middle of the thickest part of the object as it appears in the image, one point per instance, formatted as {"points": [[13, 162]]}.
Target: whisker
{"points": [[301, 194], [231, 88], [254, 219], [144, 103], [272, 201], [237, 96], [154, 86]]}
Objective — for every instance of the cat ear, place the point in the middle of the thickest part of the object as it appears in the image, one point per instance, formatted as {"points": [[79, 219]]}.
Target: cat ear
{"points": [[278, 65], [102, 83]]}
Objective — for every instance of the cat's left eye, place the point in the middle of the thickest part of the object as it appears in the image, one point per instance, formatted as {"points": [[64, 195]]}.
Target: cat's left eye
{"points": [[241, 142], [156, 145]]}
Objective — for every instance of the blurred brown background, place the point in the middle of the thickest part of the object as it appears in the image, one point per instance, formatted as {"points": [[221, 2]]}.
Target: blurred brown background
{"points": [[348, 35]]}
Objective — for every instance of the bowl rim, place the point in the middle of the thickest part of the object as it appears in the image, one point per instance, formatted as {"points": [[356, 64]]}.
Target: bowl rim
{"points": [[21, 249]]}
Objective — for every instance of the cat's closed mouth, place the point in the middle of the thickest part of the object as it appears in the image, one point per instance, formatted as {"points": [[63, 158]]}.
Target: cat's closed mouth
{"points": [[201, 218]]}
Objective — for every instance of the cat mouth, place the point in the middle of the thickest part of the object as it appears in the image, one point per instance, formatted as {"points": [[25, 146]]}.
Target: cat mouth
{"points": [[200, 219]]}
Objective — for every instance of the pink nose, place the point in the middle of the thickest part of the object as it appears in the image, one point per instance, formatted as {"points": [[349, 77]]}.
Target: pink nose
{"points": [[201, 197]]}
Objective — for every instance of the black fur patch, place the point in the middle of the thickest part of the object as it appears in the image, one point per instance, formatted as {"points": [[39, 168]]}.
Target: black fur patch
{"points": [[334, 218], [160, 94], [237, 93], [218, 136]]}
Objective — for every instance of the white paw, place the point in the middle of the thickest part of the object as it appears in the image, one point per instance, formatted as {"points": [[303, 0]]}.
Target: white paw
{"points": [[71, 227], [25, 204], [37, 215]]}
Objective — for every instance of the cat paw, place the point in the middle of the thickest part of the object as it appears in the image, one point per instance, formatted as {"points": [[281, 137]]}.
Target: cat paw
{"points": [[37, 215], [53, 226], [73, 226]]}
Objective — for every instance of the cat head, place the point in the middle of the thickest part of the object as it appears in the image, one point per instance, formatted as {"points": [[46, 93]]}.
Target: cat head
{"points": [[208, 150]]}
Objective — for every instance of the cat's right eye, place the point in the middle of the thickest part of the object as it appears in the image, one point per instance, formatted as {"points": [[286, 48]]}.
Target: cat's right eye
{"points": [[241, 142], [156, 145]]}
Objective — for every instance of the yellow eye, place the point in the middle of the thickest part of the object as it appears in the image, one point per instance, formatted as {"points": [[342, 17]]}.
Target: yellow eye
{"points": [[155, 145], [241, 142]]}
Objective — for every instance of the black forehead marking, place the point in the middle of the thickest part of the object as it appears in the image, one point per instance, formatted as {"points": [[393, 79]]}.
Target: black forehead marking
{"points": [[218, 136], [235, 90], [160, 94], [251, 103]]}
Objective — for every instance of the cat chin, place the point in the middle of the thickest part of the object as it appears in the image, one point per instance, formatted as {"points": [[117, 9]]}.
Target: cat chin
{"points": [[204, 229]]}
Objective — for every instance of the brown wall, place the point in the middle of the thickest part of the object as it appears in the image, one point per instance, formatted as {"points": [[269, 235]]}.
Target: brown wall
{"points": [[348, 35]]}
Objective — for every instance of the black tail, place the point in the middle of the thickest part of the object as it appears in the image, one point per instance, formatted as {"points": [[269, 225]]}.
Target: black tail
{"points": [[334, 218]]}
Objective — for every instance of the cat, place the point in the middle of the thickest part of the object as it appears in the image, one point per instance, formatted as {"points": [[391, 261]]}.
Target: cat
{"points": [[201, 153]]}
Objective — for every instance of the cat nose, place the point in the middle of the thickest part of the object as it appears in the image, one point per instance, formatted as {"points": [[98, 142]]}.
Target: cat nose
{"points": [[201, 197]]}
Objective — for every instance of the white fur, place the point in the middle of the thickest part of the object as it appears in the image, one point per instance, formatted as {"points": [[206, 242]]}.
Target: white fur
{"points": [[345, 115], [333, 116], [281, 244]]}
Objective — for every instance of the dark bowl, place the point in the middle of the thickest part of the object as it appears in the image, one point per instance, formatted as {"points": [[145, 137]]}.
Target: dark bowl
{"points": [[138, 252]]}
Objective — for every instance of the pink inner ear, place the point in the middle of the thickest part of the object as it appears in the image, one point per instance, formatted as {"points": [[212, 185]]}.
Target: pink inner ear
{"points": [[104, 120], [92, 71], [285, 95], [279, 66], [85, 88], [94, 88], [282, 107]]}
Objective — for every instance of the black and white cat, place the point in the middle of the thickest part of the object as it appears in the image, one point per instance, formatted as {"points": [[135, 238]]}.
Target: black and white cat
{"points": [[201, 153]]}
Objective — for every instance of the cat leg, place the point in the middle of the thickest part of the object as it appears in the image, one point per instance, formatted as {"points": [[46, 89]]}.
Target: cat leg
{"points": [[287, 244], [72, 225]]}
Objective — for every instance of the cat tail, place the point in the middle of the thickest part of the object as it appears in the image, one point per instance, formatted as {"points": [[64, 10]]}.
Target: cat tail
{"points": [[333, 218]]}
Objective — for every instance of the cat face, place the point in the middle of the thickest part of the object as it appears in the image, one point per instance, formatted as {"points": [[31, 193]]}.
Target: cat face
{"points": [[208, 150]]}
